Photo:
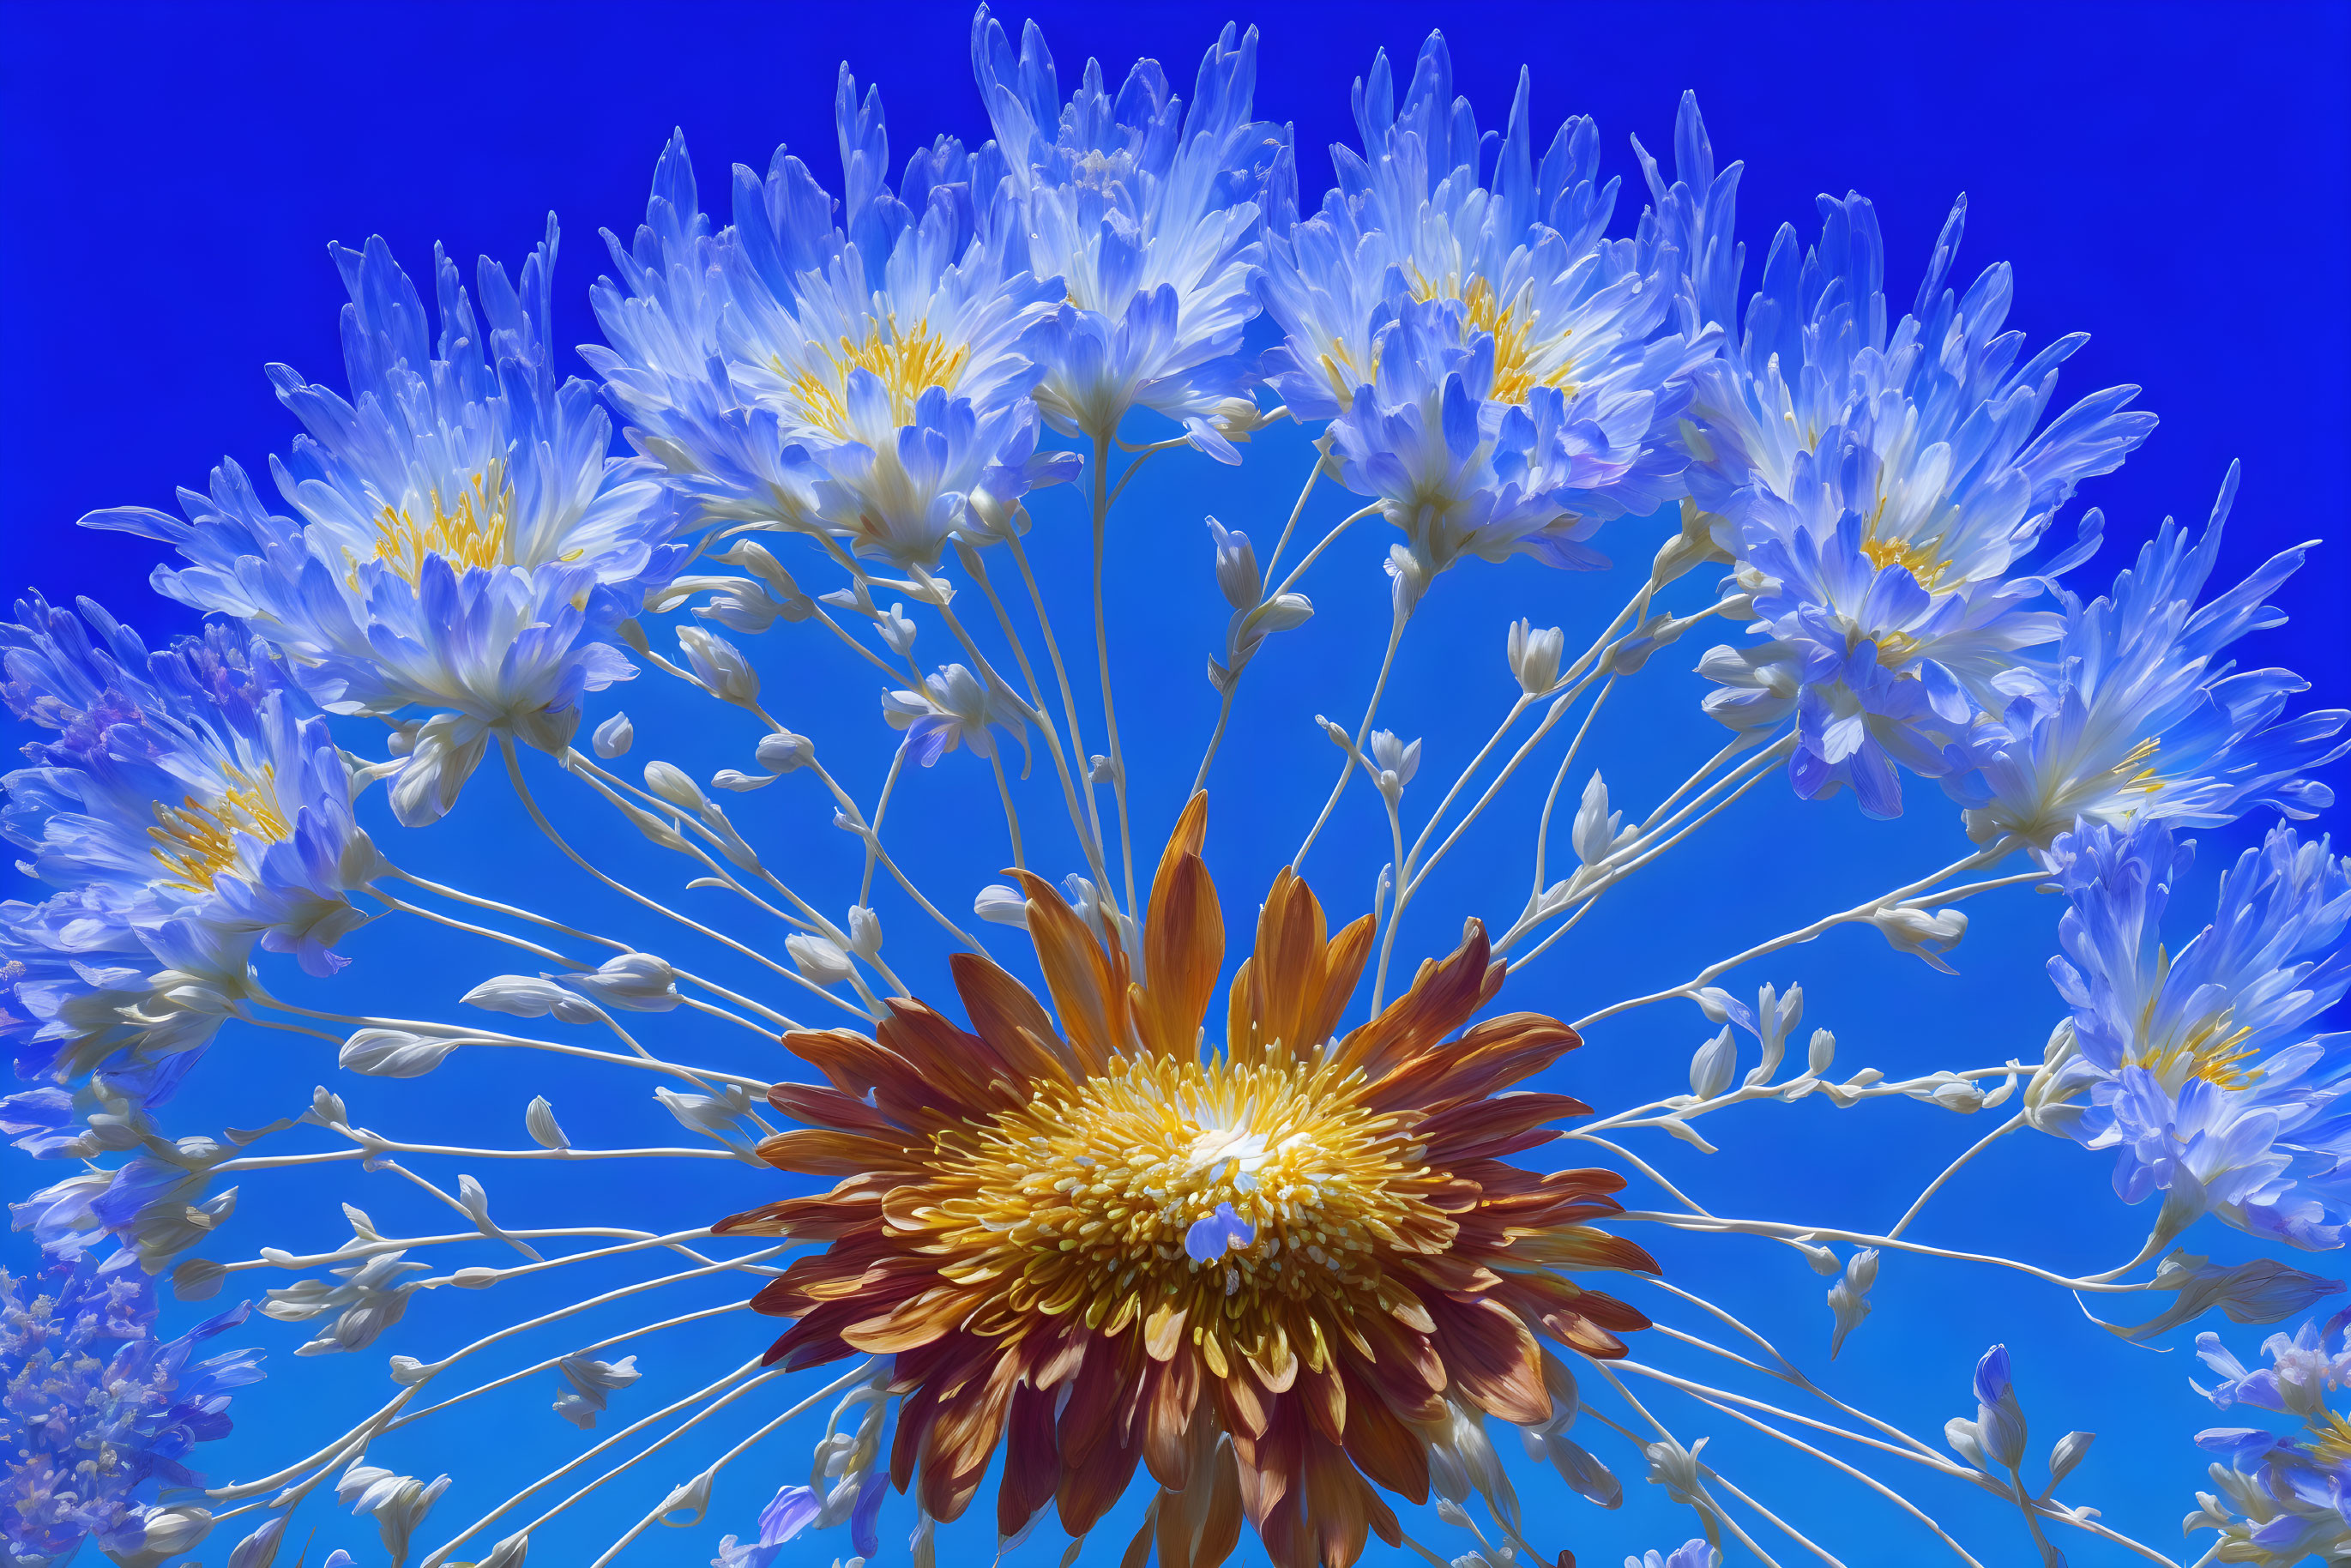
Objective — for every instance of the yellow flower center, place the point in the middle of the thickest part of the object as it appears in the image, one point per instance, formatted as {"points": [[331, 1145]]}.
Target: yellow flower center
{"points": [[1917, 559], [2334, 1435], [1516, 372], [468, 530], [907, 364], [195, 842], [2211, 1050], [1085, 1200]]}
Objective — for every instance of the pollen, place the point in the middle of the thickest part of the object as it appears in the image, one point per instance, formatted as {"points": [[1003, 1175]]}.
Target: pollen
{"points": [[467, 528], [1524, 358], [1234, 1202], [196, 841], [1917, 559], [906, 363]]}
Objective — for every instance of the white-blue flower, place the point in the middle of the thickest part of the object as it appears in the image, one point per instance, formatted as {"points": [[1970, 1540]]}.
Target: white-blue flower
{"points": [[2138, 717], [867, 380], [1151, 212], [464, 535], [190, 805], [2203, 1066], [1879, 489]]}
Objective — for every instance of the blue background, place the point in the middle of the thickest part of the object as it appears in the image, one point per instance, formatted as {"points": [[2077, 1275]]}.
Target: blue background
{"points": [[2171, 179]]}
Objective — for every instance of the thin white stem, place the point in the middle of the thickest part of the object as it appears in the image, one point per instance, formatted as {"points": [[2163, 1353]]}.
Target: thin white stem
{"points": [[1371, 711], [1981, 1144], [1101, 660]]}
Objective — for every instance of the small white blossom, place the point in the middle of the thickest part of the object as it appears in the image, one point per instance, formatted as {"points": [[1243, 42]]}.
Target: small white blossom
{"points": [[820, 959], [1929, 933], [531, 997], [637, 982], [1710, 1068], [670, 784], [784, 752], [1002, 905], [399, 1503], [369, 1300], [719, 666], [592, 1382]]}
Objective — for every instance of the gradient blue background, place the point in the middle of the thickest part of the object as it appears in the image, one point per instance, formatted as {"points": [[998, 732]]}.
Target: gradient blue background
{"points": [[2169, 178]]}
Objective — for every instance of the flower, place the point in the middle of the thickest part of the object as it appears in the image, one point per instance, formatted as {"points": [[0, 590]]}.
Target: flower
{"points": [[2136, 720], [1695, 1553], [1020, 1224], [1151, 212], [2288, 1490], [98, 1417], [867, 381], [1503, 377], [189, 804], [1877, 489], [2201, 1066], [464, 535], [954, 708]]}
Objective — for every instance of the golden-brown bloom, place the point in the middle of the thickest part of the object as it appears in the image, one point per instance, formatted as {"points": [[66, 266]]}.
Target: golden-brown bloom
{"points": [[1272, 1277]]}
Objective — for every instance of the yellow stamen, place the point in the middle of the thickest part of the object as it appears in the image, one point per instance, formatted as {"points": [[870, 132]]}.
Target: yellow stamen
{"points": [[1515, 375], [1083, 1201], [2211, 1050], [907, 364], [1917, 559], [2334, 1435], [469, 531], [198, 841]]}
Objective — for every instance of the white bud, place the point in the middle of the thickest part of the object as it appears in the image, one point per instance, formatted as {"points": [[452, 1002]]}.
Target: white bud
{"points": [[1711, 1067], [672, 786], [538, 1120], [171, 1532], [1534, 656], [259, 1550], [896, 630], [327, 1107], [692, 1500], [719, 666], [1595, 830], [784, 752], [819, 959], [1236, 574], [1849, 1297], [508, 1552], [1002, 905], [394, 1053], [1822, 1053], [408, 1372], [739, 781], [613, 736], [2069, 1450], [864, 933], [531, 997], [638, 982]]}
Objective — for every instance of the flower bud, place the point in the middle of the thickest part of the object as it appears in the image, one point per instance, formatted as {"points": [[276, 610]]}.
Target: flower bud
{"points": [[719, 666], [1929, 933], [784, 752], [864, 933], [394, 1053], [672, 785], [612, 736], [819, 959], [1710, 1068], [1534, 656]]}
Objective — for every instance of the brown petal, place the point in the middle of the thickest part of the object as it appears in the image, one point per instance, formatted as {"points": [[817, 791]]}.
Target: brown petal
{"points": [[815, 1151], [1439, 1000], [1170, 1399], [1001, 1009], [1089, 985], [829, 1107], [1387, 1449], [1182, 950], [1032, 1460], [1199, 1526], [1491, 1357], [1462, 1132]]}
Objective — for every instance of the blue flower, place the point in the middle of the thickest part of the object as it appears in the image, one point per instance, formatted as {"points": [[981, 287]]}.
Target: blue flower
{"points": [[188, 804], [2202, 1065], [2137, 717], [867, 381], [99, 1418], [1877, 488], [464, 534], [1151, 212], [1424, 254], [2289, 1490], [1694, 1554], [791, 1511]]}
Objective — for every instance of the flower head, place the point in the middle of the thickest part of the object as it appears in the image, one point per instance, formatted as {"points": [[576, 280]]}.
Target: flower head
{"points": [[867, 380], [1275, 1275], [2202, 1067], [2138, 718], [2284, 1494], [1879, 487], [464, 535], [187, 804], [99, 1418], [1493, 362], [1151, 212]]}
